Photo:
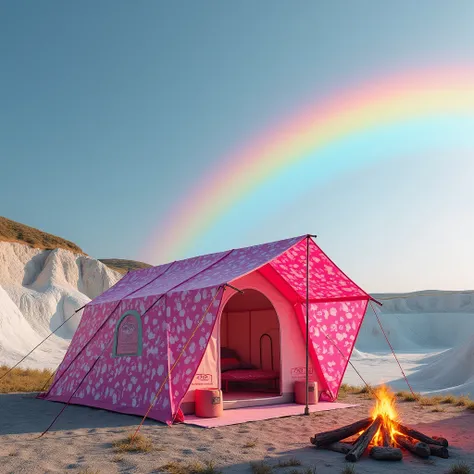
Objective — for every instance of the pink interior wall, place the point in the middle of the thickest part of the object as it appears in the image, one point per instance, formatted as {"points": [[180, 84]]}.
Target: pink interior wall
{"points": [[293, 356], [235, 331], [241, 331]]}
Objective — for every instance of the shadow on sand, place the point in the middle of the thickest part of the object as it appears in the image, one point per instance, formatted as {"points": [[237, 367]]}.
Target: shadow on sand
{"points": [[22, 413]]}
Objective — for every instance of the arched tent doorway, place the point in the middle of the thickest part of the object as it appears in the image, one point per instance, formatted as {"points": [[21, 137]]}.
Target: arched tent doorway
{"points": [[250, 348]]}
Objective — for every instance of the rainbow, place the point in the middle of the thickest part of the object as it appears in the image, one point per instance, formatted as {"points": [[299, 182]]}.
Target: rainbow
{"points": [[364, 110]]}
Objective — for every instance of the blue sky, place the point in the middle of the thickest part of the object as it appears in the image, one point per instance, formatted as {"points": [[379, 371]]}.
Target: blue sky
{"points": [[110, 110]]}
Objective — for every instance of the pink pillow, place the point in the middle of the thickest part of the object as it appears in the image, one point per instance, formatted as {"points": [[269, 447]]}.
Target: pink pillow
{"points": [[229, 363]]}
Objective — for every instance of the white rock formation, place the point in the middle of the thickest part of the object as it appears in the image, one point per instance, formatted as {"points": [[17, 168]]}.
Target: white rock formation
{"points": [[39, 289], [419, 322], [436, 322]]}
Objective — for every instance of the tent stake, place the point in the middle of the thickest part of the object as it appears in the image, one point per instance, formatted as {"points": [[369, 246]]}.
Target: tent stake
{"points": [[306, 408]]}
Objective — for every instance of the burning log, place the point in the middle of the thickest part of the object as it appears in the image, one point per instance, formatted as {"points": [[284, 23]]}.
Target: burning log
{"points": [[338, 447], [439, 451], [329, 437], [420, 449], [387, 440], [383, 434], [384, 453], [437, 441], [363, 442]]}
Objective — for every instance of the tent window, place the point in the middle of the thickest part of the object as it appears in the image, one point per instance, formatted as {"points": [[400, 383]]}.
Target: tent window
{"points": [[128, 335]]}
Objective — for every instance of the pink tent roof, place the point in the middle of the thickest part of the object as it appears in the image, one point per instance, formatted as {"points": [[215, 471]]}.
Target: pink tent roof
{"points": [[287, 259]]}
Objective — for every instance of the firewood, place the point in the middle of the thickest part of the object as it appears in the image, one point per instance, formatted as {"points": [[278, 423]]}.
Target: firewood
{"points": [[437, 441], [386, 453], [387, 440], [338, 447], [444, 441], [420, 449], [329, 437], [363, 442], [440, 451]]}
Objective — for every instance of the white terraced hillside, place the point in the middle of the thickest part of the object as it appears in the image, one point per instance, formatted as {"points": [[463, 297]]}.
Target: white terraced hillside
{"points": [[39, 289]]}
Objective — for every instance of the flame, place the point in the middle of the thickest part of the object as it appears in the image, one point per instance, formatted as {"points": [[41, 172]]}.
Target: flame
{"points": [[385, 407]]}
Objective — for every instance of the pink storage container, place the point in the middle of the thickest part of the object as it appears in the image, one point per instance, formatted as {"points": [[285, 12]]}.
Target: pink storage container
{"points": [[208, 403], [312, 392]]}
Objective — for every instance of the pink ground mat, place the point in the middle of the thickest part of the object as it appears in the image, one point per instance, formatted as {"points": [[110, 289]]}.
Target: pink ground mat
{"points": [[243, 415]]}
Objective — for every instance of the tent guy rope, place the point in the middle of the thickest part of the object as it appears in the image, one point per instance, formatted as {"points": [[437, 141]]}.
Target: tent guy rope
{"points": [[370, 389], [103, 325], [393, 352], [43, 341]]}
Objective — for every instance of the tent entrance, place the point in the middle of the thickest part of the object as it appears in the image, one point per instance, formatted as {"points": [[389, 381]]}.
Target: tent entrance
{"points": [[250, 351]]}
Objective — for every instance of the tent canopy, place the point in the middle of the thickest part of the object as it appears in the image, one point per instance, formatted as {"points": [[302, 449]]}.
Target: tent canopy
{"points": [[178, 305]]}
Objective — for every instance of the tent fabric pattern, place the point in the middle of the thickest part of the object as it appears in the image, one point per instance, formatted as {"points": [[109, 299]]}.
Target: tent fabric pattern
{"points": [[172, 301], [340, 322], [327, 280], [332, 323]]}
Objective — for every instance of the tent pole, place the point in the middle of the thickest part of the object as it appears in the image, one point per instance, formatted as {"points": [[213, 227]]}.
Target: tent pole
{"points": [[306, 408]]}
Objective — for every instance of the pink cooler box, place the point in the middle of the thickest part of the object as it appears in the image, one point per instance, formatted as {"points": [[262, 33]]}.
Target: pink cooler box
{"points": [[300, 393], [208, 403]]}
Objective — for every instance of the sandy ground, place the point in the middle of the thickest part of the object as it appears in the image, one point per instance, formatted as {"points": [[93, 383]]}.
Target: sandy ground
{"points": [[81, 441]]}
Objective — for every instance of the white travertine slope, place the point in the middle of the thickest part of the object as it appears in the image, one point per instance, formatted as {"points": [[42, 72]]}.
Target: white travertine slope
{"points": [[449, 372], [437, 323], [419, 322], [39, 289]]}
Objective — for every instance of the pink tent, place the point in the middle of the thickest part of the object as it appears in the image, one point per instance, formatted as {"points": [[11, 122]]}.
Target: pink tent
{"points": [[158, 334]]}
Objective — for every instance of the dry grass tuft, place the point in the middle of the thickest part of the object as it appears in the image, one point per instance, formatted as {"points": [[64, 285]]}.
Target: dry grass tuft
{"points": [[364, 389], [24, 380], [448, 399], [459, 468], [428, 401], [349, 469], [438, 410], [462, 401], [347, 389], [122, 265], [470, 405], [250, 444], [407, 396], [289, 463], [260, 468], [139, 444], [190, 468]]}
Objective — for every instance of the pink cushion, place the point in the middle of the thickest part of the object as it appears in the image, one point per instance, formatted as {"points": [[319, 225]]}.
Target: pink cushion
{"points": [[229, 363]]}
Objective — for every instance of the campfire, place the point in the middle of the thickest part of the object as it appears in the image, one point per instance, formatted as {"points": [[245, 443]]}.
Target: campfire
{"points": [[382, 435]]}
